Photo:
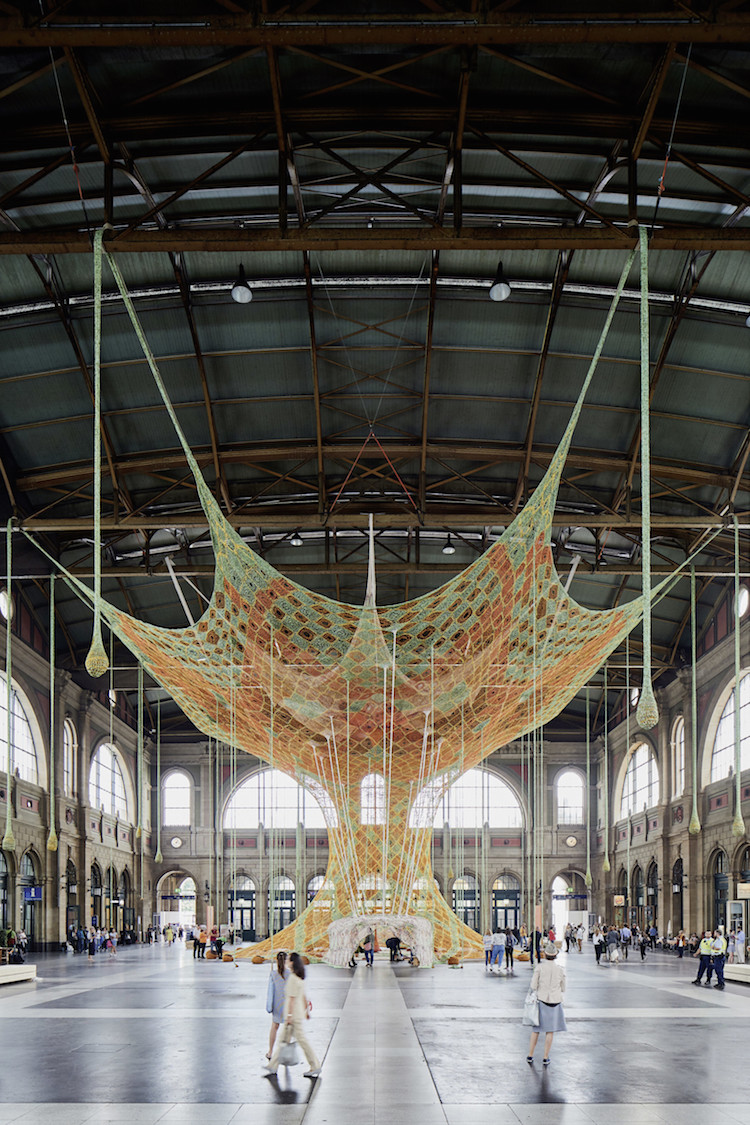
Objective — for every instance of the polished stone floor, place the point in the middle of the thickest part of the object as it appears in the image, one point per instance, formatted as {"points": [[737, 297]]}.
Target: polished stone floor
{"points": [[152, 1035]]}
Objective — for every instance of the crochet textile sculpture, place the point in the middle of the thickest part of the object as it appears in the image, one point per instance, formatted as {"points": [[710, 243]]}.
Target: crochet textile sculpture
{"points": [[416, 693]]}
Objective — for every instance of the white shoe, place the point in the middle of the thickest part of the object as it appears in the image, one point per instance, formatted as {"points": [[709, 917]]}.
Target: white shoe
{"points": [[311, 1073]]}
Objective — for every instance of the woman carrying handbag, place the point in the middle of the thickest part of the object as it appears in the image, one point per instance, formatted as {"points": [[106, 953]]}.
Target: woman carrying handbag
{"points": [[548, 981], [296, 1011]]}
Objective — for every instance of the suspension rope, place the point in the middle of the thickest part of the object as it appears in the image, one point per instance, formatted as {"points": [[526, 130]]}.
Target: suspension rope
{"points": [[648, 712], [738, 824], [52, 837], [9, 843], [694, 826]]}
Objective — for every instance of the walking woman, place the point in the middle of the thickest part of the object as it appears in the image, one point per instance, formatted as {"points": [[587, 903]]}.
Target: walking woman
{"points": [[275, 998], [548, 981], [510, 944], [296, 1011]]}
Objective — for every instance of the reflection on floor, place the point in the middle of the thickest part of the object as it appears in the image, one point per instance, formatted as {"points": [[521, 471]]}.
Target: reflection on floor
{"points": [[152, 1035]]}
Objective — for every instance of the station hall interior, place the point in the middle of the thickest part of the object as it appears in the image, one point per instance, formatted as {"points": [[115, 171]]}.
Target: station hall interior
{"points": [[374, 440]]}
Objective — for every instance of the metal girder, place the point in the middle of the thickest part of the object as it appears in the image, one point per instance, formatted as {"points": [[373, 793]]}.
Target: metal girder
{"points": [[249, 241], [384, 567], [435, 517], [160, 461], [459, 28]]}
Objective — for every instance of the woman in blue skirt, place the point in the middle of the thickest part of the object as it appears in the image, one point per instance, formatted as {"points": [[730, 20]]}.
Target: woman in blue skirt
{"points": [[548, 981]]}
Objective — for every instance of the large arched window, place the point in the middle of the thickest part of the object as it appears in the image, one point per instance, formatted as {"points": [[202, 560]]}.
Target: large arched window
{"points": [[275, 800], [570, 797], [722, 759], [22, 748], [641, 785], [175, 799], [478, 797], [678, 757], [372, 799], [70, 748], [106, 784]]}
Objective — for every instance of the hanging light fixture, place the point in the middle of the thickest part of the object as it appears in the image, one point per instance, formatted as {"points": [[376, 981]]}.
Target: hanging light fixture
{"points": [[296, 540], [241, 291], [500, 288], [449, 549]]}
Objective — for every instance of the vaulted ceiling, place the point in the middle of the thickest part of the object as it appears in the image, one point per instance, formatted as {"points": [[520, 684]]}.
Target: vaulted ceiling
{"points": [[369, 169]]}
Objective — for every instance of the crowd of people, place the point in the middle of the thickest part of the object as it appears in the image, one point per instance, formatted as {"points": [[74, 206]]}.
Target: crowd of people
{"points": [[93, 940]]}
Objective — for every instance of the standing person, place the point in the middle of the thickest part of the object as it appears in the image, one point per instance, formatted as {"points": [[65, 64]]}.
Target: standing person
{"points": [[612, 941], [625, 935], [510, 943], [202, 943], [368, 947], [196, 944], [598, 940], [92, 944], [680, 943], [739, 946], [731, 946], [643, 943], [718, 953], [275, 998], [168, 934], [704, 952], [498, 949], [487, 943], [568, 937], [548, 981], [580, 935], [296, 1011], [653, 934]]}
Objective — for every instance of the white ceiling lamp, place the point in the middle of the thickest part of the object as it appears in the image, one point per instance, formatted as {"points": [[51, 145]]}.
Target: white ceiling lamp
{"points": [[500, 288], [296, 540], [241, 291], [449, 549]]}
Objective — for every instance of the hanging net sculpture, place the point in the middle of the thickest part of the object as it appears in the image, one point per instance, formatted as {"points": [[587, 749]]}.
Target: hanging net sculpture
{"points": [[391, 703]]}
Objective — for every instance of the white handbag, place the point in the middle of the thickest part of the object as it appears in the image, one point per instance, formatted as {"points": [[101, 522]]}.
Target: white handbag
{"points": [[289, 1053], [530, 1015]]}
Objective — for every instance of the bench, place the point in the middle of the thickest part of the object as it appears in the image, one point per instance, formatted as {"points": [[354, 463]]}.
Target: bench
{"points": [[10, 974], [739, 973]]}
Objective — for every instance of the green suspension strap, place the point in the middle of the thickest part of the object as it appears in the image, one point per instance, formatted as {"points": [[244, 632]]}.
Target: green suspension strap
{"points": [[648, 712], [96, 660], [588, 880], [738, 824], [52, 837], [158, 858], [139, 829], [694, 826], [9, 843], [605, 781]]}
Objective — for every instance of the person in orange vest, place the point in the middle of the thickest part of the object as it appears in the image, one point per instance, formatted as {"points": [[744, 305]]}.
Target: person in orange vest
{"points": [[202, 942]]}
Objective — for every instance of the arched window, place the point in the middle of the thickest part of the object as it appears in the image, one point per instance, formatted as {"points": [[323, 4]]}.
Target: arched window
{"points": [[466, 900], [3, 892], [478, 797], [273, 799], [641, 785], [570, 797], [372, 799], [722, 759], [175, 799], [70, 748], [106, 784], [678, 757], [281, 902], [22, 748]]}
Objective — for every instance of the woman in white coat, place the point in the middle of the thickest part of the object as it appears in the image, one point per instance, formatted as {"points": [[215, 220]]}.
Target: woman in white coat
{"points": [[296, 1011], [548, 981]]}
